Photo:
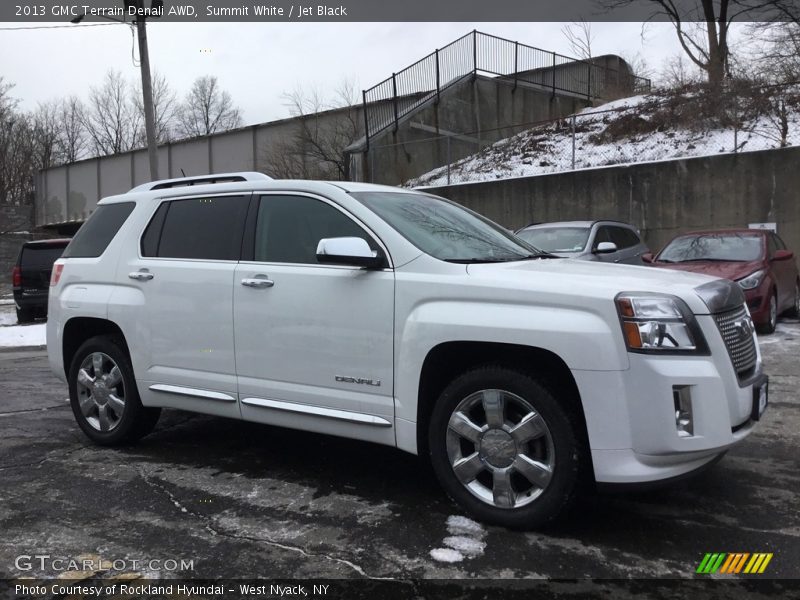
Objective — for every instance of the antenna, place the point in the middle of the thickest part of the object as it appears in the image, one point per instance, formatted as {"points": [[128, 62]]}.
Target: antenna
{"points": [[182, 173]]}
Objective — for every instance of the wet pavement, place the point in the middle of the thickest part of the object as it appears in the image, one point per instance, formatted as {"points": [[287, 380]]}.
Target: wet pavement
{"points": [[245, 500]]}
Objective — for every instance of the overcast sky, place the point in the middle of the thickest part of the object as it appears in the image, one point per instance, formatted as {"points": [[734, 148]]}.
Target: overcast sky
{"points": [[258, 62]]}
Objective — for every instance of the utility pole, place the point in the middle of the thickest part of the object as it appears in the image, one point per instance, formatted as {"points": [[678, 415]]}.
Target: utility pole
{"points": [[147, 93], [147, 86]]}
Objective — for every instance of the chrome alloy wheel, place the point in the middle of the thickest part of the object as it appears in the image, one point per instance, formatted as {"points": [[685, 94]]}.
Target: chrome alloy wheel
{"points": [[500, 448], [101, 391]]}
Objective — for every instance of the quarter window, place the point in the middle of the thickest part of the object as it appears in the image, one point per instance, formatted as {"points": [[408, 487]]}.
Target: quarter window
{"points": [[289, 228], [199, 228], [96, 234]]}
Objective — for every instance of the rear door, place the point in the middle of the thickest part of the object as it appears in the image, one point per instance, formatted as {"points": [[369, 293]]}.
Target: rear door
{"points": [[629, 246], [179, 304], [314, 342]]}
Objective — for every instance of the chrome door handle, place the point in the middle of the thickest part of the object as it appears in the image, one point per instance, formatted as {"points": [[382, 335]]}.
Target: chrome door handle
{"points": [[258, 282], [141, 275]]}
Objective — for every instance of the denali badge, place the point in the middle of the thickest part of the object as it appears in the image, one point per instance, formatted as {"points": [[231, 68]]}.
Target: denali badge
{"points": [[346, 379]]}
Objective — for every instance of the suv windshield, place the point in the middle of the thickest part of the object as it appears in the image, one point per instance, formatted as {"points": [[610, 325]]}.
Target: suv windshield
{"points": [[557, 239], [722, 247], [446, 230]]}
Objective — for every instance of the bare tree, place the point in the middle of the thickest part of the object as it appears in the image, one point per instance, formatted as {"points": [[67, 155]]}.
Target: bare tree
{"points": [[72, 135], [46, 134], [580, 37], [207, 109], [165, 108], [112, 121], [16, 150], [323, 129], [776, 55], [702, 26], [676, 73]]}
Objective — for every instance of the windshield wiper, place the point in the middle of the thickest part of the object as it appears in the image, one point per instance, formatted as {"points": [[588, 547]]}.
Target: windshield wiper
{"points": [[710, 260], [470, 261]]}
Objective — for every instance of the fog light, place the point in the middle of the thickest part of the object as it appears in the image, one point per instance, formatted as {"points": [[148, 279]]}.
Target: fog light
{"points": [[684, 422]]}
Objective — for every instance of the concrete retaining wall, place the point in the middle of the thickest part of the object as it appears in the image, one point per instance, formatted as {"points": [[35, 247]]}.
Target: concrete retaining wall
{"points": [[661, 198]]}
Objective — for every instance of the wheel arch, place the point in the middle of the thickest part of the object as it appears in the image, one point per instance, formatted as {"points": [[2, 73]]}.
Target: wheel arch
{"points": [[79, 329], [447, 360]]}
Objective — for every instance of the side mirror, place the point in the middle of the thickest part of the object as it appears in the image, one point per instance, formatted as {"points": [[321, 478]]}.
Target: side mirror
{"points": [[351, 251], [783, 255], [605, 248], [647, 257]]}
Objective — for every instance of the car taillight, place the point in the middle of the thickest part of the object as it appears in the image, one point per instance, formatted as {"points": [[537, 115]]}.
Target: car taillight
{"points": [[16, 277], [56, 274]]}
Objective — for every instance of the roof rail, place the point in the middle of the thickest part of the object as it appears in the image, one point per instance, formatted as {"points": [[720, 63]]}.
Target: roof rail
{"points": [[164, 184]]}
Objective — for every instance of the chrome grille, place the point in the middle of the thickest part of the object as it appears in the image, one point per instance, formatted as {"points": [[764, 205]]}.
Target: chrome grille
{"points": [[738, 339]]}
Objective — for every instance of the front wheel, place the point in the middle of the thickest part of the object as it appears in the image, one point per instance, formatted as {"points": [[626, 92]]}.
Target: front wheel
{"points": [[505, 449], [103, 394], [772, 316]]}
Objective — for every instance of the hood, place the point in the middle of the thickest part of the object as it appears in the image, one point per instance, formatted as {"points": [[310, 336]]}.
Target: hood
{"points": [[732, 270], [572, 278]]}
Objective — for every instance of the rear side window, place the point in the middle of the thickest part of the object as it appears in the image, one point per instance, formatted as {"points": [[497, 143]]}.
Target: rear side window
{"points": [[623, 237], [199, 228], [96, 233], [39, 257]]}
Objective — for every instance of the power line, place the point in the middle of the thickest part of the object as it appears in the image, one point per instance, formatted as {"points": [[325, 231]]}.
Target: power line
{"points": [[70, 26]]}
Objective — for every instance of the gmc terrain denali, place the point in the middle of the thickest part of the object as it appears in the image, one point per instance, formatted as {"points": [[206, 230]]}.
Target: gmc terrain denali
{"points": [[401, 318]]}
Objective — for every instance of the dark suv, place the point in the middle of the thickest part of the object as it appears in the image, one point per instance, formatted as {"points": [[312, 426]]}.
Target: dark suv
{"points": [[30, 277]]}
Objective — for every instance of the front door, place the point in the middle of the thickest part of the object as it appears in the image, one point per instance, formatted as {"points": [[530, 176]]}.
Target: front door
{"points": [[314, 343]]}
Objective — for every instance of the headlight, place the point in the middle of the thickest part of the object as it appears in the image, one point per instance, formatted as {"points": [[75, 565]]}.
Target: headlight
{"points": [[658, 323], [752, 281]]}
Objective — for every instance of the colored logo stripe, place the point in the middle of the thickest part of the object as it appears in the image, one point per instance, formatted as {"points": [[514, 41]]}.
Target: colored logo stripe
{"points": [[733, 563]]}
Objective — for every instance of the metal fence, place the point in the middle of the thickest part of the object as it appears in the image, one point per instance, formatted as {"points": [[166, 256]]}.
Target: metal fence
{"points": [[478, 52], [636, 131]]}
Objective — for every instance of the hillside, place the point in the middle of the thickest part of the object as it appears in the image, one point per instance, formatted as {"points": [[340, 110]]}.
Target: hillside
{"points": [[658, 126]]}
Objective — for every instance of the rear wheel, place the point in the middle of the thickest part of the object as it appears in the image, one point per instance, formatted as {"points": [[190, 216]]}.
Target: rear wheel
{"points": [[772, 316], [103, 394], [795, 310], [24, 315], [504, 448]]}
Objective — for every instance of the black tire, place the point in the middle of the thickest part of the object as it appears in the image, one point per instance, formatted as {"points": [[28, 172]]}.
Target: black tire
{"points": [[772, 318], [570, 454], [24, 315], [794, 311], [135, 420]]}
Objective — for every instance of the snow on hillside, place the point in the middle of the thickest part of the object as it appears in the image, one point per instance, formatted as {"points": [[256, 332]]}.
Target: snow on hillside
{"points": [[637, 129]]}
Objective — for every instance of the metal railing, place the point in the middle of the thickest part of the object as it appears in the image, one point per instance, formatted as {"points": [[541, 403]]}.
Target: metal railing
{"points": [[393, 98]]}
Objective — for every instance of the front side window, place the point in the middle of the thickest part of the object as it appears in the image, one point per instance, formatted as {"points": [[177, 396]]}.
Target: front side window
{"points": [[289, 228], [623, 237], [96, 233], [717, 247], [557, 239], [198, 228], [446, 230]]}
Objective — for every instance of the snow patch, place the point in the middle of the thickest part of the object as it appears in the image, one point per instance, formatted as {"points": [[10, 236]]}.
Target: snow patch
{"points": [[548, 148], [446, 555], [22, 335], [456, 524], [465, 540], [465, 545]]}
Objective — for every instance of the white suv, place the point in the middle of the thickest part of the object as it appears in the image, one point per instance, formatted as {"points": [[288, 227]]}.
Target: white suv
{"points": [[401, 318]]}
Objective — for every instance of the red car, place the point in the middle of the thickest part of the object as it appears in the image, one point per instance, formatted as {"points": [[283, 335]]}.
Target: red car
{"points": [[756, 259]]}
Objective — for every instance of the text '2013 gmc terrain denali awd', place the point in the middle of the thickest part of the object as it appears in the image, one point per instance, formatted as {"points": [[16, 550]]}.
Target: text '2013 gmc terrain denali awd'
{"points": [[401, 318]]}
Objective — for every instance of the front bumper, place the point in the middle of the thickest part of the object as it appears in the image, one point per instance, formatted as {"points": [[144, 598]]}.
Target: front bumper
{"points": [[631, 415]]}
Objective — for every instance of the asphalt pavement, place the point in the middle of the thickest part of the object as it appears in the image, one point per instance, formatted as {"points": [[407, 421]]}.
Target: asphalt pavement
{"points": [[233, 499]]}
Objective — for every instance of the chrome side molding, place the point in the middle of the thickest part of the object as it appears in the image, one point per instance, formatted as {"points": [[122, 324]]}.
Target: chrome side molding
{"points": [[193, 392], [317, 411]]}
